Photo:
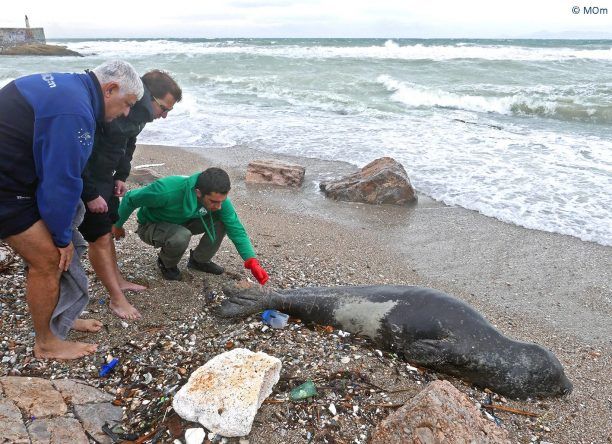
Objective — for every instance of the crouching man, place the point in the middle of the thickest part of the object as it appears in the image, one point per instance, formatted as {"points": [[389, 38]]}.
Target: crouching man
{"points": [[174, 208]]}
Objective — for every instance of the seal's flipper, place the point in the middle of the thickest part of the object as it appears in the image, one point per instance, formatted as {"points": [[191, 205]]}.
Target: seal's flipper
{"points": [[241, 303]]}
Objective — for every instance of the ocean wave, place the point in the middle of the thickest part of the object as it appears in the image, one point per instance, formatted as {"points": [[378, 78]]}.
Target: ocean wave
{"points": [[388, 50], [560, 107]]}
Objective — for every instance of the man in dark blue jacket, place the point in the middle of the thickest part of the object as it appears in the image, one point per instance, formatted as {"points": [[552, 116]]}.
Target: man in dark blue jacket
{"points": [[47, 126], [104, 182]]}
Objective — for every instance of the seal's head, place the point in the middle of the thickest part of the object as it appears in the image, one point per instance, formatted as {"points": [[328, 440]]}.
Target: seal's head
{"points": [[537, 373]]}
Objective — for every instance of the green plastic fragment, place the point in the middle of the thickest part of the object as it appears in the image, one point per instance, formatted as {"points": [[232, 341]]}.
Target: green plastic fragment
{"points": [[303, 391]]}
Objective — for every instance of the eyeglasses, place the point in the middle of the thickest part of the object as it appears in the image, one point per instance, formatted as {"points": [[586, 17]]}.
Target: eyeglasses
{"points": [[163, 107]]}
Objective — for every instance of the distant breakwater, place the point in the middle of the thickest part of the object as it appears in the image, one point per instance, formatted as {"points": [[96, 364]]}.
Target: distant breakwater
{"points": [[19, 36]]}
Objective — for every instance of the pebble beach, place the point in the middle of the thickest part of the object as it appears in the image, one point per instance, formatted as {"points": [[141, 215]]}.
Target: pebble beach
{"points": [[532, 285]]}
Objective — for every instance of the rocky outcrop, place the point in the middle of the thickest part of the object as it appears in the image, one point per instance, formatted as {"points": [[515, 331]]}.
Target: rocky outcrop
{"points": [[275, 172], [34, 395], [383, 181], [57, 431], [79, 392], [55, 412], [38, 49], [12, 428], [226, 392], [94, 416], [439, 414]]}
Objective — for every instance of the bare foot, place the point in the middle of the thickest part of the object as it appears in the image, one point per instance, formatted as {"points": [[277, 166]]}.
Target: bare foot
{"points": [[130, 286], [87, 325], [63, 350], [122, 308]]}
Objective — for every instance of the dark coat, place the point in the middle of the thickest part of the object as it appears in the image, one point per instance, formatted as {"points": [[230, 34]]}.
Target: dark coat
{"points": [[114, 146]]}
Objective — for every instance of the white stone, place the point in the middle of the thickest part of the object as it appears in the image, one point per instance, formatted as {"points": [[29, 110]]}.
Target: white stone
{"points": [[225, 393], [195, 435], [332, 409]]}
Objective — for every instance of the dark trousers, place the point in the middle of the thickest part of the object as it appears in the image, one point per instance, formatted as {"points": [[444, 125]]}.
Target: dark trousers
{"points": [[174, 240]]}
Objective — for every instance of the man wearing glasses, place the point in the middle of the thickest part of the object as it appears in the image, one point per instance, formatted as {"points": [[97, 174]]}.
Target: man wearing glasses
{"points": [[104, 182]]}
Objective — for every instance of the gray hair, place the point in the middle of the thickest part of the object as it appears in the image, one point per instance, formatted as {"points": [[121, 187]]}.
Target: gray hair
{"points": [[123, 73]]}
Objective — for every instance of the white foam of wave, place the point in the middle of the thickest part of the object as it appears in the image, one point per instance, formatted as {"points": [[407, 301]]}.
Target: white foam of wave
{"points": [[550, 180], [533, 178], [417, 96], [391, 45], [269, 90], [389, 50]]}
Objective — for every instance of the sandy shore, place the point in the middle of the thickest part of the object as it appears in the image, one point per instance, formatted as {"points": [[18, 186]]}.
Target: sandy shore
{"points": [[534, 286]]}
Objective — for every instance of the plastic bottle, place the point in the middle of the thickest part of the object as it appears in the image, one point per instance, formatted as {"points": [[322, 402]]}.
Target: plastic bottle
{"points": [[274, 318], [106, 368]]}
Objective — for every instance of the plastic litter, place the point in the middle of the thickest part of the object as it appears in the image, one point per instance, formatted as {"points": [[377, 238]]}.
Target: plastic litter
{"points": [[303, 391], [107, 368], [274, 318]]}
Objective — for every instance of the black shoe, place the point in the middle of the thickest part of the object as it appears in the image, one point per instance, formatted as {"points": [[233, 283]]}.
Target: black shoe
{"points": [[206, 267], [169, 273]]}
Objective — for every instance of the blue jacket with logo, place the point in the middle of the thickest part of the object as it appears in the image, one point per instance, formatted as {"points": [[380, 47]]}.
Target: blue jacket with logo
{"points": [[47, 126]]}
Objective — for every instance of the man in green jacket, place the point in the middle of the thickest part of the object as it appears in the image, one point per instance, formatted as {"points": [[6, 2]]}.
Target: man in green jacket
{"points": [[174, 208]]}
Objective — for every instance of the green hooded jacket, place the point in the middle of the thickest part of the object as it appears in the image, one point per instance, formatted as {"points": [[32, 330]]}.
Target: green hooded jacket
{"points": [[173, 199]]}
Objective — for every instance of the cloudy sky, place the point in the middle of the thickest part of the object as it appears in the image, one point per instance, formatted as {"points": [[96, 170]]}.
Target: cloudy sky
{"points": [[313, 18]]}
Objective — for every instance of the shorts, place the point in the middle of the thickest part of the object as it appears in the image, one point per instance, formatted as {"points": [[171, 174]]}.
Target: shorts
{"points": [[96, 225], [17, 214]]}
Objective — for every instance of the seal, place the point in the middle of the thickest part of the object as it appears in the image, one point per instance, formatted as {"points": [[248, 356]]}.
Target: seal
{"points": [[424, 326]]}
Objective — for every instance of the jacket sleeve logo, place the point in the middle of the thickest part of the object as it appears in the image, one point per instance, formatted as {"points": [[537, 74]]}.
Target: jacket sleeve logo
{"points": [[47, 77], [84, 137]]}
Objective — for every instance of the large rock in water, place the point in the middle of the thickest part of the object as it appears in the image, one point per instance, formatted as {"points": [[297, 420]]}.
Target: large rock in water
{"points": [[225, 393], [275, 172], [383, 181], [440, 414]]}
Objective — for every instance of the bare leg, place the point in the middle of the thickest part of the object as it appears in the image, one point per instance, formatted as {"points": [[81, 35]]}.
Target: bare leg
{"points": [[123, 284], [103, 263], [42, 292], [87, 325]]}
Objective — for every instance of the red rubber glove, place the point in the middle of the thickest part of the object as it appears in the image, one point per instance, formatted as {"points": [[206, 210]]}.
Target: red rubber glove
{"points": [[258, 272]]}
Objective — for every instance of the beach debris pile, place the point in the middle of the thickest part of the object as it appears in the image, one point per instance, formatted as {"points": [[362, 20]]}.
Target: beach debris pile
{"points": [[351, 385], [382, 181]]}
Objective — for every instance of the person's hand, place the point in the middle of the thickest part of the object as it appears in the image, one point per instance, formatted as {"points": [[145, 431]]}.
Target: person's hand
{"points": [[258, 272], [118, 232], [120, 188], [65, 256], [98, 205]]}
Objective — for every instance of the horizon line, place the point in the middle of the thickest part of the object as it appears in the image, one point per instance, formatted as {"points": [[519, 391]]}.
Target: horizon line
{"points": [[351, 38]]}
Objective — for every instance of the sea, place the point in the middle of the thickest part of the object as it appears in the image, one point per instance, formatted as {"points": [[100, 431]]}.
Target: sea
{"points": [[518, 130]]}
